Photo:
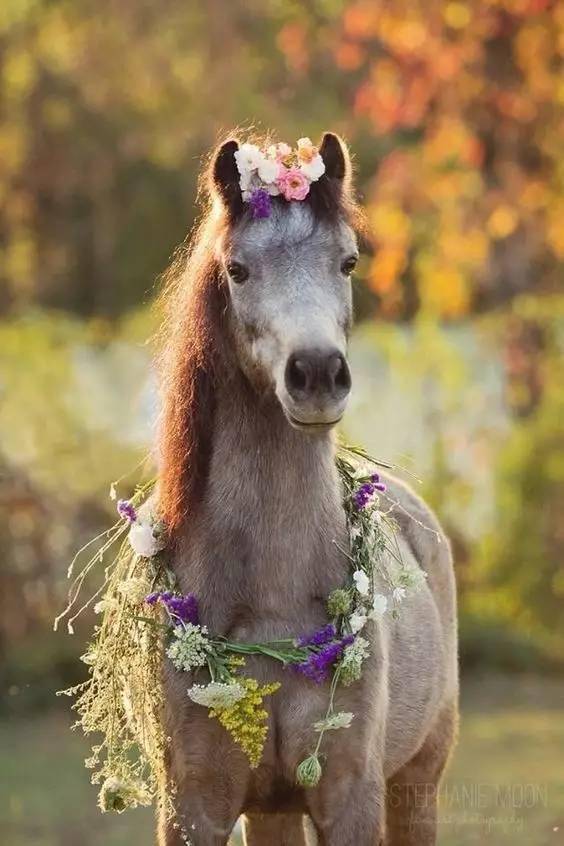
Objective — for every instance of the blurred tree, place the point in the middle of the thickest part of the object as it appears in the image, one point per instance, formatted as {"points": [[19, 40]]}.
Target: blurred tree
{"points": [[468, 100]]}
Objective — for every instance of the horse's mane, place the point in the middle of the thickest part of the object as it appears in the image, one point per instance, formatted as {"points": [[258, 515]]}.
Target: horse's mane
{"points": [[192, 342]]}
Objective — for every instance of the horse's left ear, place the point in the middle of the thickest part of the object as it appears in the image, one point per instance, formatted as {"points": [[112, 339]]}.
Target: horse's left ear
{"points": [[335, 155], [225, 175]]}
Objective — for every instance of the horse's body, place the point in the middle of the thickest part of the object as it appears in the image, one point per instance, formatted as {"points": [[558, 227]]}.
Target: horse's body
{"points": [[259, 552]]}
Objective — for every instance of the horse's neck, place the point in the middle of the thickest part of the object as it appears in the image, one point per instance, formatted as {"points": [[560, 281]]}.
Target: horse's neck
{"points": [[271, 512]]}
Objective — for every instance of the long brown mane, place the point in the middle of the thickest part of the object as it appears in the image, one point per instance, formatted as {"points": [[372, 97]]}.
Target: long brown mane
{"points": [[192, 344]]}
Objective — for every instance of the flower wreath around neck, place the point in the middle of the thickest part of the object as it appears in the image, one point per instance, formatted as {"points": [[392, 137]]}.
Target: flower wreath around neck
{"points": [[143, 617]]}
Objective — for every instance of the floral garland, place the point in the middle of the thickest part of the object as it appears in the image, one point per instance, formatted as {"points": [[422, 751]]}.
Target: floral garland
{"points": [[143, 615], [278, 171]]}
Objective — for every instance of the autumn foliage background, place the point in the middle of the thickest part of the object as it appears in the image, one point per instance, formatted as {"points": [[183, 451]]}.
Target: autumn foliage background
{"points": [[454, 112]]}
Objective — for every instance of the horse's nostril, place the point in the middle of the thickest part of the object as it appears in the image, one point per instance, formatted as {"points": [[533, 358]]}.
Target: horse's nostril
{"points": [[342, 374], [296, 374], [316, 372]]}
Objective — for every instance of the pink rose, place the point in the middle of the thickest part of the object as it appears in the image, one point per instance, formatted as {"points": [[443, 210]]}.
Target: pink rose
{"points": [[292, 183]]}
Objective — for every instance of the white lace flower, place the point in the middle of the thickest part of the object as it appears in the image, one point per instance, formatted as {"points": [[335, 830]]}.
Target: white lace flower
{"points": [[190, 647], [146, 539], [313, 169], [351, 662], [217, 695], [379, 606], [357, 621], [248, 158], [362, 582], [340, 720]]}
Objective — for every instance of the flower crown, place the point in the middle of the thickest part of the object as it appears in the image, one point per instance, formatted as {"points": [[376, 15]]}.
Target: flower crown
{"points": [[279, 170]]}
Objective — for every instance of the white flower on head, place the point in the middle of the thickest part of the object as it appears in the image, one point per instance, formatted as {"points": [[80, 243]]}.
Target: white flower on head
{"points": [[340, 720], [146, 539], [279, 151], [247, 158], [362, 582], [313, 169], [217, 694], [357, 621], [268, 169], [379, 606], [399, 593]]}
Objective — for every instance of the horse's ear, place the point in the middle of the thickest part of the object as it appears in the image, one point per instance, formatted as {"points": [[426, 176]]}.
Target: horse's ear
{"points": [[225, 175], [336, 158]]}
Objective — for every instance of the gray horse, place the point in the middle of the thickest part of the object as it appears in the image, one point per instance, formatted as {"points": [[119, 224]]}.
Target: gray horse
{"points": [[254, 377]]}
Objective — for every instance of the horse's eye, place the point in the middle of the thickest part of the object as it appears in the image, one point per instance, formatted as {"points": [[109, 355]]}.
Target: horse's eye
{"points": [[349, 265], [238, 272]]}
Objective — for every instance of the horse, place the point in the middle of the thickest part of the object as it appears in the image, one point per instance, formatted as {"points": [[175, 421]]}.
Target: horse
{"points": [[254, 377]]}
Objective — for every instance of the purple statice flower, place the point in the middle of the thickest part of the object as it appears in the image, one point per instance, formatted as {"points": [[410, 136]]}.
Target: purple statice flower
{"points": [[126, 510], [378, 485], [364, 494], [261, 204], [318, 665], [320, 637], [182, 609]]}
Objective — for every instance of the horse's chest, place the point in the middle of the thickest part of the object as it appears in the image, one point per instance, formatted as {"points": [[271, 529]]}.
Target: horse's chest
{"points": [[255, 583]]}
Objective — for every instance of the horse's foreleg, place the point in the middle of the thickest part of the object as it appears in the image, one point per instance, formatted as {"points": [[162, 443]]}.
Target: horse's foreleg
{"points": [[275, 830], [412, 793], [349, 811], [206, 804]]}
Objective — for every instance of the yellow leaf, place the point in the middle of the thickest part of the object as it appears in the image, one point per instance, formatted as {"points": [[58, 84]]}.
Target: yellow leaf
{"points": [[502, 222]]}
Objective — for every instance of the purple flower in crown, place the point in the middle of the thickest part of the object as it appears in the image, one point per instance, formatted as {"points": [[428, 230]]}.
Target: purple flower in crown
{"points": [[126, 510], [260, 203], [181, 608], [318, 665], [318, 638], [364, 494]]}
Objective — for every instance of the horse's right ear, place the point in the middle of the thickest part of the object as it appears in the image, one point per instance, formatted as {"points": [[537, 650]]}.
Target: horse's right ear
{"points": [[225, 176]]}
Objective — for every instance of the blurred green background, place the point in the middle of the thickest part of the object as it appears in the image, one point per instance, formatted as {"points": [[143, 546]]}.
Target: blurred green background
{"points": [[455, 116]]}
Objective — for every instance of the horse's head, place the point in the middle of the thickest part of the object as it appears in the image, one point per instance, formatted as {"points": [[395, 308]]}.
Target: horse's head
{"points": [[289, 282]]}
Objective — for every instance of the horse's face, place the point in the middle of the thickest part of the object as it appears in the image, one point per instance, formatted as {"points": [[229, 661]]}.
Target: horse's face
{"points": [[289, 279]]}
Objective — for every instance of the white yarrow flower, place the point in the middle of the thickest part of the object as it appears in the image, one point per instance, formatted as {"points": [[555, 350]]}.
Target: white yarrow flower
{"points": [[340, 720], [217, 695], [357, 621], [362, 582], [145, 540]]}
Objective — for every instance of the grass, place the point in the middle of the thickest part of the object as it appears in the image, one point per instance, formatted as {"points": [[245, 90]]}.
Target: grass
{"points": [[505, 784]]}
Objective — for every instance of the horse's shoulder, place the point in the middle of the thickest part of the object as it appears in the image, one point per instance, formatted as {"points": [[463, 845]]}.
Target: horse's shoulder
{"points": [[420, 528]]}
